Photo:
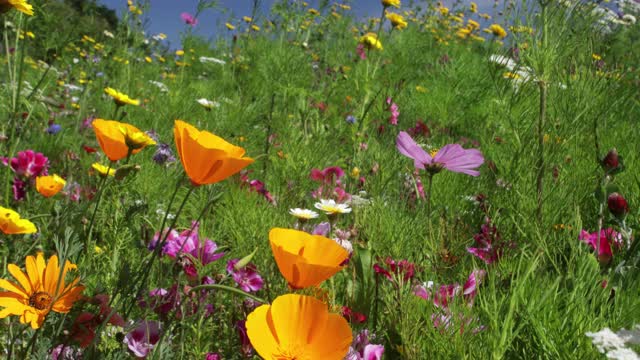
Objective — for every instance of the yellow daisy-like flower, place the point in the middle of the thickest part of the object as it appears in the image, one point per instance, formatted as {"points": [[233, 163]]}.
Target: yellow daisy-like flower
{"points": [[135, 139], [229, 26], [497, 31], [11, 223], [247, 19], [370, 40], [473, 7], [394, 3], [397, 21], [39, 290], [120, 98], [21, 5], [49, 185], [103, 170]]}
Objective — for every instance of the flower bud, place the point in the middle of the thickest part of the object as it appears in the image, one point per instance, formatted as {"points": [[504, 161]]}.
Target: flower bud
{"points": [[618, 205], [611, 161]]}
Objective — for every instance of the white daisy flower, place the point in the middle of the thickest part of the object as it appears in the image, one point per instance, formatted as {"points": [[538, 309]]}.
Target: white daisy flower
{"points": [[208, 104], [204, 59], [303, 214], [330, 207]]}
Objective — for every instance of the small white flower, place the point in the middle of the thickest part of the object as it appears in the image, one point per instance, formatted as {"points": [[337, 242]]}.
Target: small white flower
{"points": [[330, 207], [346, 244], [359, 201], [303, 214], [606, 340], [208, 104], [108, 33], [159, 85], [72, 87], [204, 59]]}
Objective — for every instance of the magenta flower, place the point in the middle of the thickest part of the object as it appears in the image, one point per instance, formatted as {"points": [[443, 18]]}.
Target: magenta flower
{"points": [[362, 54], [141, 340], [213, 356], [391, 267], [246, 277], [488, 246], [470, 288], [188, 242], [189, 19], [394, 110], [259, 187], [362, 349], [607, 237], [245, 345], [29, 164], [452, 157], [329, 175]]}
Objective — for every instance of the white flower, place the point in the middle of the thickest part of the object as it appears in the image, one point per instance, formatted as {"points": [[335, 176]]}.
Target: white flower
{"points": [[303, 214], [108, 33], [330, 207], [72, 87], [346, 244], [359, 201], [204, 59], [605, 340], [208, 104], [159, 85], [503, 61], [628, 19]]}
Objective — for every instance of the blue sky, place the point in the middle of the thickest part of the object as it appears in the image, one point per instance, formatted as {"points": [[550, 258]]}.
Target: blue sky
{"points": [[165, 14]]}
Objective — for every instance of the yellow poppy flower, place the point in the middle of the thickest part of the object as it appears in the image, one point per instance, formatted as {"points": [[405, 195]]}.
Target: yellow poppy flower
{"points": [[120, 98], [207, 158], [49, 185], [305, 260], [11, 223], [394, 3], [116, 142], [38, 291], [20, 5], [370, 41], [103, 170], [298, 327], [397, 21]]}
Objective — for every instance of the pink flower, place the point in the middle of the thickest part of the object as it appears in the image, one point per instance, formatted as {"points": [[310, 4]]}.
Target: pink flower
{"points": [[452, 157], [488, 247], [607, 237], [390, 267], [245, 345], [246, 277], [188, 242], [330, 175], [362, 349], [85, 325], [258, 186], [141, 340], [470, 288], [189, 19], [29, 164], [361, 52], [395, 113]]}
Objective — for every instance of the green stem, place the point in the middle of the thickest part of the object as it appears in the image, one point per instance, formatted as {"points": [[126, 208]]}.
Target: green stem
{"points": [[95, 210], [229, 289], [429, 186]]}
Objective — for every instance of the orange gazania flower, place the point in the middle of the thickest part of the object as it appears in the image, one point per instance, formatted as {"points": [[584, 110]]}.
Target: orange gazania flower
{"points": [[38, 291], [207, 158], [298, 327], [11, 223], [49, 185], [117, 139], [303, 259]]}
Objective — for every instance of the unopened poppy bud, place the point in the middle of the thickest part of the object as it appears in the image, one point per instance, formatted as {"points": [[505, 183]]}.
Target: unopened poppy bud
{"points": [[611, 161], [245, 260], [618, 205]]}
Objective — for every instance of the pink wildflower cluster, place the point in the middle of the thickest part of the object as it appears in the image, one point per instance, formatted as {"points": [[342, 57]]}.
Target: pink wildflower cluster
{"points": [[142, 339], [331, 186], [256, 186], [393, 270], [488, 243], [362, 349], [246, 277], [27, 166], [607, 238], [394, 111], [178, 302]]}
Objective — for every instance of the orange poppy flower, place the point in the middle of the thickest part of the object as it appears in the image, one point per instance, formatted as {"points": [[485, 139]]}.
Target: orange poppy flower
{"points": [[303, 259], [38, 291], [298, 327], [207, 158], [116, 139], [49, 185]]}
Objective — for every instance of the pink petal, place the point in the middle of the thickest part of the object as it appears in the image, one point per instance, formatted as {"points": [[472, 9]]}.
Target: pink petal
{"points": [[409, 148]]}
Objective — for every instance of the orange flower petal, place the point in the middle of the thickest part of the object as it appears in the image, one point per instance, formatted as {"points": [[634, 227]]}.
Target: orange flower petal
{"points": [[261, 332], [51, 276], [22, 278]]}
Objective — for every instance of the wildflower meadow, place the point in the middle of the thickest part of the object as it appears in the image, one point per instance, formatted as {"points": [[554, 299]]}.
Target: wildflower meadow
{"points": [[441, 180]]}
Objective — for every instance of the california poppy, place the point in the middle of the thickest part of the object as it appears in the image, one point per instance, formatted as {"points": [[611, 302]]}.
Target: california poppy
{"points": [[207, 158], [38, 291], [49, 185], [11, 223], [298, 327], [304, 259], [118, 139]]}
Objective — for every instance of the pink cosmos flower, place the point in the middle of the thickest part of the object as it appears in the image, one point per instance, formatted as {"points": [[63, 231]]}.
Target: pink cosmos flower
{"points": [[141, 340], [246, 277], [452, 157], [29, 164], [607, 237], [189, 19]]}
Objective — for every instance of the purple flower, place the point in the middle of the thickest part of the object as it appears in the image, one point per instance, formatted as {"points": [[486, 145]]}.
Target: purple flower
{"points": [[54, 129], [30, 164], [361, 349], [452, 157], [141, 340], [322, 229], [163, 154], [66, 352], [246, 348], [189, 19], [213, 356], [19, 188], [246, 277], [350, 119]]}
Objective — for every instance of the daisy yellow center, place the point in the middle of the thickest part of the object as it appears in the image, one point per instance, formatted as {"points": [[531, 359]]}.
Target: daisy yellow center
{"points": [[433, 152], [40, 300]]}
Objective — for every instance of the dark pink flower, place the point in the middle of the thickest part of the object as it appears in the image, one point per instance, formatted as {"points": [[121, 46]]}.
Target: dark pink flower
{"points": [[618, 205], [353, 316], [488, 243], [213, 356], [452, 157], [330, 175], [607, 237], [189, 19], [361, 52], [245, 345], [470, 288], [246, 277], [362, 349], [141, 340], [394, 110], [391, 267], [258, 186], [29, 164], [19, 188]]}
